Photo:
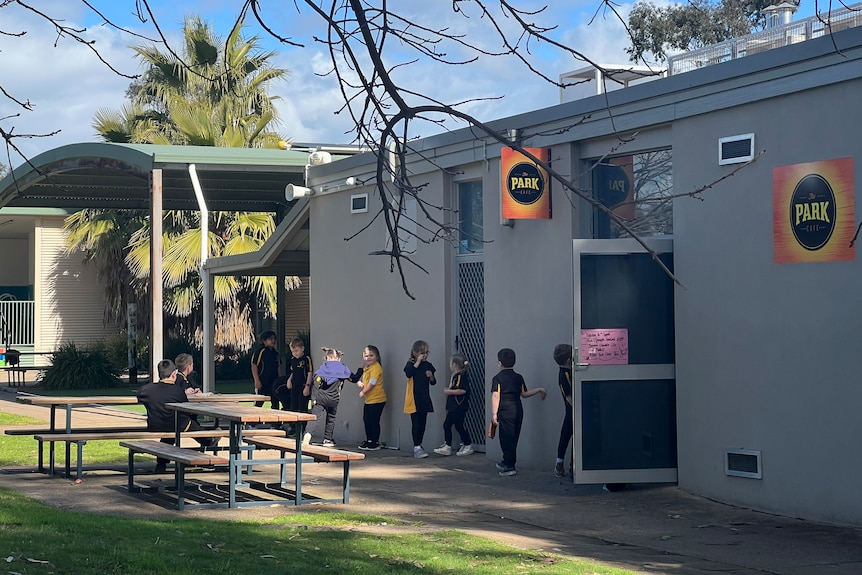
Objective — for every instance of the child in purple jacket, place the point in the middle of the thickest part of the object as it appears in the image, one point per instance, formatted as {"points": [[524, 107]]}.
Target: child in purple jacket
{"points": [[326, 392]]}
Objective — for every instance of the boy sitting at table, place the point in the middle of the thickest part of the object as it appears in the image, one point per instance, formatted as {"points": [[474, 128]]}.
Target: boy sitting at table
{"points": [[155, 395]]}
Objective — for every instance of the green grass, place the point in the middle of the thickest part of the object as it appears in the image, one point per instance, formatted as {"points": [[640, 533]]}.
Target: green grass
{"points": [[44, 540], [22, 451], [37, 539], [11, 419]]}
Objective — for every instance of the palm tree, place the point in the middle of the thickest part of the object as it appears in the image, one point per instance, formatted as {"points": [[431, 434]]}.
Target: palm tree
{"points": [[212, 94]]}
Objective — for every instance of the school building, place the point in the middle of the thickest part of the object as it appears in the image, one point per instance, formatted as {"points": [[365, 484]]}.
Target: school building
{"points": [[740, 382]]}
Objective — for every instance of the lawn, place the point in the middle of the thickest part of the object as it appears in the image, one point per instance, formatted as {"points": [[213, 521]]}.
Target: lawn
{"points": [[37, 539]]}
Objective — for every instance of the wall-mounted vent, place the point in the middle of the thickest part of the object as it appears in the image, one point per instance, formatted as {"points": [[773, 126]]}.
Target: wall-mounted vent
{"points": [[735, 149], [358, 203], [743, 463]]}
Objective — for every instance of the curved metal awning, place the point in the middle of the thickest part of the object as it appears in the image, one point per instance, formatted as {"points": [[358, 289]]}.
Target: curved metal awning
{"points": [[117, 176], [120, 176], [285, 253]]}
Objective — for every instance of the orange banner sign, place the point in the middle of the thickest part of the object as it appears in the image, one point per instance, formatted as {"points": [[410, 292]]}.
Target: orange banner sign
{"points": [[526, 188]]}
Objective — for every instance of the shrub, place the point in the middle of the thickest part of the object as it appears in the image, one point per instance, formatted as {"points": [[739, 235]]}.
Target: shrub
{"points": [[74, 368], [116, 350], [237, 366]]}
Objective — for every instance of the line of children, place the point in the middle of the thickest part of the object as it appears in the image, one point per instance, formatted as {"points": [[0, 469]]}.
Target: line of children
{"points": [[508, 388], [457, 403], [417, 399]]}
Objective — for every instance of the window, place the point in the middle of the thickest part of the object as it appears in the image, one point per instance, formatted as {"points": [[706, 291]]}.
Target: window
{"points": [[470, 217], [638, 188]]}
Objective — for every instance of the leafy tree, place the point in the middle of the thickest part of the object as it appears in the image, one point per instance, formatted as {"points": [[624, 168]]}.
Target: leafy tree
{"points": [[656, 30], [212, 94]]}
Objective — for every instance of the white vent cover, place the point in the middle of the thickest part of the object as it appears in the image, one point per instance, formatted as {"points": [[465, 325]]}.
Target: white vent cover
{"points": [[743, 463], [735, 149], [358, 203]]}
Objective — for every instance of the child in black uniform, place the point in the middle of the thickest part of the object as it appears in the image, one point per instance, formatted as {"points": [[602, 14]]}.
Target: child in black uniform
{"points": [[264, 368], [563, 357], [507, 413], [457, 403], [154, 396], [296, 393], [326, 392], [417, 400]]}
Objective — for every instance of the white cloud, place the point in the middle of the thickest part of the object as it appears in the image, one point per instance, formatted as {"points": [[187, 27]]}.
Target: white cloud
{"points": [[68, 84], [65, 84]]}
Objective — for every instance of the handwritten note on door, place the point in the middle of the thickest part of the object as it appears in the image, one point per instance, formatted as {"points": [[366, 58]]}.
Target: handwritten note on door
{"points": [[605, 346]]}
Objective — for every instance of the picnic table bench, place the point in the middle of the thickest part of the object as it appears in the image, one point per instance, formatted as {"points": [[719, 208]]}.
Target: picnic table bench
{"points": [[56, 433], [98, 429], [317, 453], [17, 374], [81, 437], [182, 458]]}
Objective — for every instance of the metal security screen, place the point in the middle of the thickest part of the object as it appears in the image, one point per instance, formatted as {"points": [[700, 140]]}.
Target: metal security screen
{"points": [[471, 341]]}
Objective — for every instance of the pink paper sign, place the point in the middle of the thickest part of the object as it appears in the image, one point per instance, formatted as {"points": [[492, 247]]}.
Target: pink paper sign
{"points": [[605, 346]]}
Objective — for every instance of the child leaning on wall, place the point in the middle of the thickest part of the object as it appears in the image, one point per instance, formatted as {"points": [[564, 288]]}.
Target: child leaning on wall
{"points": [[326, 387]]}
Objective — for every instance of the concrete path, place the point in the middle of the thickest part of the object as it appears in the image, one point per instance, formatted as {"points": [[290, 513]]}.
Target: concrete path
{"points": [[646, 528]]}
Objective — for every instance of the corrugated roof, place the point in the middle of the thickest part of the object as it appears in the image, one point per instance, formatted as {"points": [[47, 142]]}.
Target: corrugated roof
{"points": [[109, 175]]}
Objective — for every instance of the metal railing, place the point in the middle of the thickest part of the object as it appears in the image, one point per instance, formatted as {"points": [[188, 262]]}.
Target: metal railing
{"points": [[17, 323], [793, 33]]}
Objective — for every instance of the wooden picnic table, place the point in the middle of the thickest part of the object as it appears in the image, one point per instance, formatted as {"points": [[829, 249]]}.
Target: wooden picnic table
{"points": [[238, 415], [70, 402], [17, 373]]}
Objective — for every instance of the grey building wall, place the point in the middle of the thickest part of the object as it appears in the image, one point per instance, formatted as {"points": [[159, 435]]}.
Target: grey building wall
{"points": [[767, 357], [766, 353], [528, 304], [528, 307], [356, 300]]}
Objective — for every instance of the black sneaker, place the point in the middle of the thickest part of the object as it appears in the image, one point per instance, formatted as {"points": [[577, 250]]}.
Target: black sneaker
{"points": [[558, 470], [507, 471], [372, 446], [364, 445]]}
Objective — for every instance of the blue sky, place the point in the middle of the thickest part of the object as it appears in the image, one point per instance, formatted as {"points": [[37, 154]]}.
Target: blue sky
{"points": [[67, 84]]}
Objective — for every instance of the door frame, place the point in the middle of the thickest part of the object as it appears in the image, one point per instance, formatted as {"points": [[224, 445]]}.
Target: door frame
{"points": [[582, 371]]}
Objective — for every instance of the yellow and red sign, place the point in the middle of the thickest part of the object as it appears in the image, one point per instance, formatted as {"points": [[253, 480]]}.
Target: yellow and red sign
{"points": [[526, 188], [813, 212]]}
